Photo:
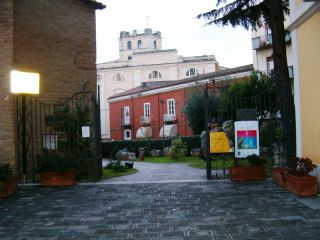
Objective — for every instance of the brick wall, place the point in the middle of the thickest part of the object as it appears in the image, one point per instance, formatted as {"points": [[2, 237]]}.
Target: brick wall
{"points": [[57, 39], [7, 139]]}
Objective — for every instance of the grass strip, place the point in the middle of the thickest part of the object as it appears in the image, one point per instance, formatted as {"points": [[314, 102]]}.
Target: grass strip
{"points": [[109, 173], [195, 162]]}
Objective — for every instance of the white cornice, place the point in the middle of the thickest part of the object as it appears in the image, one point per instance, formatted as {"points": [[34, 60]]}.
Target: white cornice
{"points": [[302, 13], [197, 61]]}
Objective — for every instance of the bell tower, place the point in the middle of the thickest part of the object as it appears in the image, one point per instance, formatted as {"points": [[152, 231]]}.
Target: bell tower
{"points": [[138, 41]]}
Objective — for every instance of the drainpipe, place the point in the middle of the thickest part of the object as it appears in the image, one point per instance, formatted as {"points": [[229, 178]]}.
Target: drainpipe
{"points": [[159, 115], [133, 132], [185, 117]]}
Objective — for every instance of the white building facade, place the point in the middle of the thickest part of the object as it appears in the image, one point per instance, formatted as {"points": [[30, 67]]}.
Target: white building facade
{"points": [[141, 59], [262, 49]]}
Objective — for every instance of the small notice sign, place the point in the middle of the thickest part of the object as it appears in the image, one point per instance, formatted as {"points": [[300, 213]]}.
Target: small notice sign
{"points": [[85, 131]]}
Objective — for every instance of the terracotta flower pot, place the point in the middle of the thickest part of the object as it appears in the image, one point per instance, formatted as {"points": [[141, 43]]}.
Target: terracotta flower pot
{"points": [[247, 173], [56, 179], [9, 187], [278, 176], [301, 185]]}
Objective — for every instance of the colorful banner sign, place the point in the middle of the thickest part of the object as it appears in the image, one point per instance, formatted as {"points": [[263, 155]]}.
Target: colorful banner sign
{"points": [[246, 138]]}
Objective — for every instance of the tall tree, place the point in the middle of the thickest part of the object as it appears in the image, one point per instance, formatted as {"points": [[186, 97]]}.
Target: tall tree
{"points": [[194, 110], [252, 13]]}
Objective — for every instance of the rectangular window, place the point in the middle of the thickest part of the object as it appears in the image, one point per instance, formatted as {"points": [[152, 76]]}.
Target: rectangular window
{"points": [[50, 141], [146, 109], [171, 107], [268, 34], [270, 65], [126, 115]]}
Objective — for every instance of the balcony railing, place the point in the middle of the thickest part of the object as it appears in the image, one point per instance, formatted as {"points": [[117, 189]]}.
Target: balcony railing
{"points": [[266, 41], [169, 118], [144, 121], [262, 42]]}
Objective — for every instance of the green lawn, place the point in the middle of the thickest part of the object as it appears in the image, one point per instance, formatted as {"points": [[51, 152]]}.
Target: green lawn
{"points": [[109, 173], [194, 162]]}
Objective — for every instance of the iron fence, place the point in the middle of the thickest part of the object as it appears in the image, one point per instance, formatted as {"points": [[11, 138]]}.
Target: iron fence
{"points": [[223, 110], [70, 128]]}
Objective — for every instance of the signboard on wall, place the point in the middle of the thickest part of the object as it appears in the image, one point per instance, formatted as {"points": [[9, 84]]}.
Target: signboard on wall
{"points": [[246, 138]]}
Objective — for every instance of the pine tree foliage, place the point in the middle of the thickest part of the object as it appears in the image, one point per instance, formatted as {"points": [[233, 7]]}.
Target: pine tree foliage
{"points": [[251, 13], [245, 13]]}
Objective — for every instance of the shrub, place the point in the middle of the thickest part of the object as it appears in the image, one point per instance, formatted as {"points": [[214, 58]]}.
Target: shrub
{"points": [[5, 172], [254, 160], [117, 167], [304, 166], [177, 149], [55, 162]]}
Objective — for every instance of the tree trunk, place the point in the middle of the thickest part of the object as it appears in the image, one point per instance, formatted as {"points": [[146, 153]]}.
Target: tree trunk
{"points": [[281, 75]]}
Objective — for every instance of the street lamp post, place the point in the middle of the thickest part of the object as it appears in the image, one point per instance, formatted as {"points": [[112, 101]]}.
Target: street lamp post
{"points": [[24, 83]]}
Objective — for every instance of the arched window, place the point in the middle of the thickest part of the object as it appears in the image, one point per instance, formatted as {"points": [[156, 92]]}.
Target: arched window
{"points": [[139, 44], [154, 44], [192, 72], [118, 78], [155, 74], [127, 134], [129, 45]]}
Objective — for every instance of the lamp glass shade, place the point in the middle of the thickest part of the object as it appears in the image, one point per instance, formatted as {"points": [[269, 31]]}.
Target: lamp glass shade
{"points": [[24, 82]]}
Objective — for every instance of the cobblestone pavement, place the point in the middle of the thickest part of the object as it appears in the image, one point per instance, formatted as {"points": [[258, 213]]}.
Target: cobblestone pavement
{"points": [[189, 210]]}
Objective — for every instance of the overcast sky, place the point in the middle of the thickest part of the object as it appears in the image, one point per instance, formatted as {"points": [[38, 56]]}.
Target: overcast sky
{"points": [[179, 27]]}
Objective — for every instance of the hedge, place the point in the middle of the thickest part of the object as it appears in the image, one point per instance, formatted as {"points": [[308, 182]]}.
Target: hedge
{"points": [[109, 149]]}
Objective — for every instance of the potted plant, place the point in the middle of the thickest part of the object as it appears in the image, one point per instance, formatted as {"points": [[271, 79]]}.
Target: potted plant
{"points": [[56, 169], [253, 170], [8, 182], [278, 175], [298, 180]]}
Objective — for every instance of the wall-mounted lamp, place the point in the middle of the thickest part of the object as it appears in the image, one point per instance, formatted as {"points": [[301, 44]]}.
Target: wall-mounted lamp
{"points": [[24, 82]]}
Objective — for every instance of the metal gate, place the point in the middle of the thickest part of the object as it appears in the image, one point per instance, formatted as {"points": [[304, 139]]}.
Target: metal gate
{"points": [[263, 107], [70, 127]]}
